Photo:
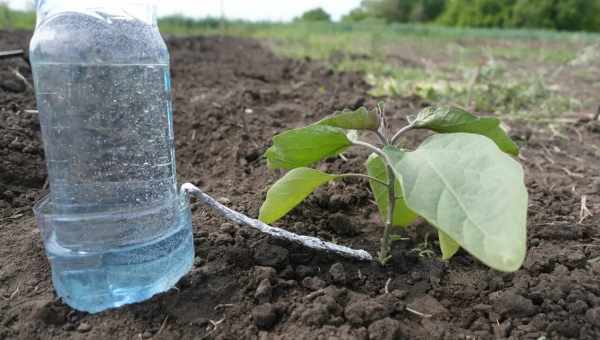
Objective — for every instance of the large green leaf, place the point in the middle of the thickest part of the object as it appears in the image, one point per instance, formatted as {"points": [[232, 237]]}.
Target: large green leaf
{"points": [[403, 216], [291, 190], [465, 186], [448, 246], [452, 120], [305, 146], [360, 119]]}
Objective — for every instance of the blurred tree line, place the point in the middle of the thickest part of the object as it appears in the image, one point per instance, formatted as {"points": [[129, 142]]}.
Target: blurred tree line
{"points": [[571, 15]]}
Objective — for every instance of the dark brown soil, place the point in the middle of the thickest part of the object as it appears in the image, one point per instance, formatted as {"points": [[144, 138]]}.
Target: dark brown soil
{"points": [[231, 96]]}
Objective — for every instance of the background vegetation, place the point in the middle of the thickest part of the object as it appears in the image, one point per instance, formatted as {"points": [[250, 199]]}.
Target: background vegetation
{"points": [[571, 15], [519, 73]]}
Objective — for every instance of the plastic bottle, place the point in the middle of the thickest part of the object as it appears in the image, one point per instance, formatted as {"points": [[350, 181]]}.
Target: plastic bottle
{"points": [[115, 227]]}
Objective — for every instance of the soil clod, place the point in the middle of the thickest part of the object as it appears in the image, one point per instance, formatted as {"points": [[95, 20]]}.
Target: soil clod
{"points": [[338, 273], [265, 316], [270, 255]]}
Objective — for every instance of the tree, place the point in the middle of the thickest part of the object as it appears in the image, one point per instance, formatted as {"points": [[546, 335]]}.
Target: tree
{"points": [[317, 14], [404, 10], [478, 13], [571, 15], [357, 14]]}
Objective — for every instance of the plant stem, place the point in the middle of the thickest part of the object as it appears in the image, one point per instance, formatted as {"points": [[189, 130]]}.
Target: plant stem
{"points": [[386, 242], [365, 176], [400, 133], [376, 150], [371, 147]]}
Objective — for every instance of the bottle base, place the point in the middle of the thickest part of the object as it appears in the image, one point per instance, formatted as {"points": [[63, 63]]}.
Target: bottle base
{"points": [[117, 284], [94, 281]]}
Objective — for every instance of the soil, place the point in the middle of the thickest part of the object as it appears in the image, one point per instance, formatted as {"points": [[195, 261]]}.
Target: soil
{"points": [[231, 95]]}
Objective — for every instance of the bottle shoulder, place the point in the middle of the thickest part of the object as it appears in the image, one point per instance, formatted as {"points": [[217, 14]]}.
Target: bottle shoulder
{"points": [[79, 38]]}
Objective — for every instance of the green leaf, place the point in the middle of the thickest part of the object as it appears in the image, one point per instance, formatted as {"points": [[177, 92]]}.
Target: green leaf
{"points": [[360, 119], [452, 120], [291, 190], [305, 146], [466, 187], [448, 246], [403, 216]]}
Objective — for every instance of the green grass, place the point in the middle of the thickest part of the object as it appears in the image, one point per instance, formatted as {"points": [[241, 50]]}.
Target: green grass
{"points": [[11, 19]]}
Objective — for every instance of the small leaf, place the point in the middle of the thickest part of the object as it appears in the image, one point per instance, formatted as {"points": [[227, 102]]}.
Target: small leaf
{"points": [[403, 216], [305, 146], [448, 246], [360, 119], [452, 120], [466, 187], [291, 190]]}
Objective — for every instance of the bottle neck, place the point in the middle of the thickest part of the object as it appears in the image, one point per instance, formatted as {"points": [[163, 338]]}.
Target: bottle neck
{"points": [[142, 10]]}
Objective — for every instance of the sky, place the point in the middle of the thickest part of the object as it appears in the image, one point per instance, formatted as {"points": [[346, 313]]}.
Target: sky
{"points": [[277, 10]]}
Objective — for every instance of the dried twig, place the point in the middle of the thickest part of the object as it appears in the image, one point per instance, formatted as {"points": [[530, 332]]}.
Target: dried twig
{"points": [[571, 173], [584, 212], [22, 78], [163, 325], [11, 54], [307, 241], [387, 286], [15, 292], [423, 315]]}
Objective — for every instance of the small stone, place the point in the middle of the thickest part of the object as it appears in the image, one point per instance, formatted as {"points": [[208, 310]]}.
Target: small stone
{"points": [[338, 202], [364, 312], [299, 258], [576, 256], [399, 294], [385, 329], [341, 225], [427, 304], [595, 187], [224, 200], [264, 291], [221, 239], [269, 255], [338, 273], [593, 316], [313, 283], [322, 197], [264, 273], [303, 271], [578, 307], [198, 261], [13, 85], [84, 327], [147, 335], [316, 315], [515, 304], [51, 314], [265, 316], [68, 327], [287, 273], [227, 228]]}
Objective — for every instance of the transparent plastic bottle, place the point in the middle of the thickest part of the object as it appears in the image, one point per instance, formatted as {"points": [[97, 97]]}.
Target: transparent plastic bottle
{"points": [[115, 227]]}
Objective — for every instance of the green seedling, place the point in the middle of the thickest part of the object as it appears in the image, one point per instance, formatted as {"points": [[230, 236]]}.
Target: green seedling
{"points": [[463, 180]]}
